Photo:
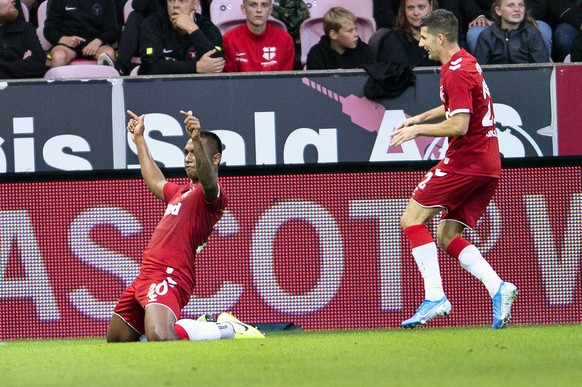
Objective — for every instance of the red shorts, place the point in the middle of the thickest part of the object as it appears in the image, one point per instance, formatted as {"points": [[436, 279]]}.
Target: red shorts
{"points": [[464, 198], [147, 289]]}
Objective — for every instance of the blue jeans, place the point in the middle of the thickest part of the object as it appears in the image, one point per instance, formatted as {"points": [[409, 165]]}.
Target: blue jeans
{"points": [[564, 36], [545, 30]]}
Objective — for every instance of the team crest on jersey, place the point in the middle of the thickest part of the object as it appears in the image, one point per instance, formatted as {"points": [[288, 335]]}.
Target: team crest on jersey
{"points": [[192, 53], [269, 52]]}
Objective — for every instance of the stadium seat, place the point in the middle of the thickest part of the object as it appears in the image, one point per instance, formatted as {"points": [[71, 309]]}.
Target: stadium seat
{"points": [[81, 71], [362, 8], [227, 14], [41, 17], [134, 71], [25, 12], [127, 9], [568, 58]]}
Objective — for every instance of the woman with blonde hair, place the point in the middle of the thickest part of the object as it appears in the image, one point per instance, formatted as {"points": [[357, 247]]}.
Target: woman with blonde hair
{"points": [[512, 38]]}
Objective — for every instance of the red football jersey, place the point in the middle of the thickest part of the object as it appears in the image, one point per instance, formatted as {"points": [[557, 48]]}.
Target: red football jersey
{"points": [[182, 232], [463, 90]]}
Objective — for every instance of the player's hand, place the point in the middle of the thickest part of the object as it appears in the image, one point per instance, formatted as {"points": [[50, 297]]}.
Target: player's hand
{"points": [[402, 135], [183, 22], [480, 21], [27, 54], [407, 122], [404, 132], [192, 125], [208, 64], [135, 125]]}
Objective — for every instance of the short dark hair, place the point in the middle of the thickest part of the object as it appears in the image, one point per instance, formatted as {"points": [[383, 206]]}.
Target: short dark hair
{"points": [[443, 22], [213, 140]]}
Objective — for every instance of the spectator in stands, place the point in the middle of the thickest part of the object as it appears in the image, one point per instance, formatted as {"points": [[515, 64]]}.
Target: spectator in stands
{"points": [[568, 16], [257, 45], [479, 14], [340, 47], [400, 46], [129, 39], [512, 38], [385, 12], [180, 41], [83, 29], [21, 55]]}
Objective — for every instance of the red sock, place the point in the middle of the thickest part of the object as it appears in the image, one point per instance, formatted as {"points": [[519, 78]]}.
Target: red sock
{"points": [[456, 246], [418, 235], [182, 334]]}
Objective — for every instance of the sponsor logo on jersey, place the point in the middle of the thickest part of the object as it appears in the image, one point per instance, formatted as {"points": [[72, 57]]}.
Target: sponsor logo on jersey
{"points": [[173, 209]]}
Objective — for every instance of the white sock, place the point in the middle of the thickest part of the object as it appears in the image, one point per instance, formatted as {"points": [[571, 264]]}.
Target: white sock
{"points": [[201, 330], [426, 258], [472, 261]]}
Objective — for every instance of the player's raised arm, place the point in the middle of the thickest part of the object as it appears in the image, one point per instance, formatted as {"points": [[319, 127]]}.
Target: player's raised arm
{"points": [[205, 160], [150, 171]]}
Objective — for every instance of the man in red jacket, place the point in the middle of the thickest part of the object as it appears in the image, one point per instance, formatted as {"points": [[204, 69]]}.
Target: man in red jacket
{"points": [[257, 45]]}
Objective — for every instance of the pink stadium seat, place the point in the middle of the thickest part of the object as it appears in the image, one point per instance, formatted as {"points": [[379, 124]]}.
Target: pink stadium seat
{"points": [[25, 12], [361, 8], [134, 71], [81, 71], [127, 9], [226, 15], [41, 17]]}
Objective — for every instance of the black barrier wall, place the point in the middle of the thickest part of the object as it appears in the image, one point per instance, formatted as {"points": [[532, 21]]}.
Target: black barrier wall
{"points": [[263, 119]]}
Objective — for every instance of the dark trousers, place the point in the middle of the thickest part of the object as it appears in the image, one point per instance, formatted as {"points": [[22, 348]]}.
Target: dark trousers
{"points": [[129, 41]]}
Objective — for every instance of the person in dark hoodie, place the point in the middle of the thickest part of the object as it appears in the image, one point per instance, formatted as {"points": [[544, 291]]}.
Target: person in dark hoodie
{"points": [[129, 39], [400, 46], [340, 47], [180, 41], [21, 55], [512, 38], [80, 29]]}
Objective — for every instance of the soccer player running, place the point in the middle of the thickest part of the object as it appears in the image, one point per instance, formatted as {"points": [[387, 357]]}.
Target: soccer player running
{"points": [[463, 183], [151, 305]]}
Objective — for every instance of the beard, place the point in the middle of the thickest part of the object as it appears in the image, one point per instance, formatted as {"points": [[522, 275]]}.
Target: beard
{"points": [[9, 16]]}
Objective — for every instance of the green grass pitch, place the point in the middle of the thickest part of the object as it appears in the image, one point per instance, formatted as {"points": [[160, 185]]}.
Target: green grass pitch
{"points": [[548, 355]]}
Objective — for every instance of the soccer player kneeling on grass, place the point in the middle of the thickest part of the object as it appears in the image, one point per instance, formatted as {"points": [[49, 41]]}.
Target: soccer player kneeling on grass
{"points": [[463, 183], [149, 308]]}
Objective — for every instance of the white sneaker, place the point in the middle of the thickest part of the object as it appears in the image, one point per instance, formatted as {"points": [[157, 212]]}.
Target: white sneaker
{"points": [[106, 60]]}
